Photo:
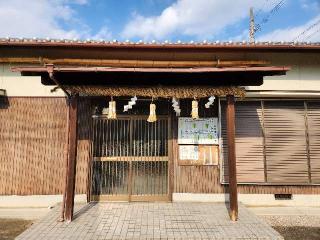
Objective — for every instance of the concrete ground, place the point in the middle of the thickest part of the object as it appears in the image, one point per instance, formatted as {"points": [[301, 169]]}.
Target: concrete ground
{"points": [[23, 213], [152, 221], [285, 211]]}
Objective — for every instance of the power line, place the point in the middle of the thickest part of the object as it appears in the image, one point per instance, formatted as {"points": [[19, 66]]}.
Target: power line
{"points": [[307, 30], [312, 34], [266, 5], [272, 12], [261, 8], [266, 19]]}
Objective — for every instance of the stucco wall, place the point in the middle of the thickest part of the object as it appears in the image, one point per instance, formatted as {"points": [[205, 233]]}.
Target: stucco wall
{"points": [[21, 86], [304, 75]]}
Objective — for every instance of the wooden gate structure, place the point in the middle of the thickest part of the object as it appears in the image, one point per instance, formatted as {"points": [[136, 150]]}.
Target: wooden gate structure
{"points": [[130, 159], [151, 71]]}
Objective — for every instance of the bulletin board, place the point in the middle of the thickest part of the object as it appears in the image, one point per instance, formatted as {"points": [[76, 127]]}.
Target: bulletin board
{"points": [[198, 141], [198, 154], [199, 131]]}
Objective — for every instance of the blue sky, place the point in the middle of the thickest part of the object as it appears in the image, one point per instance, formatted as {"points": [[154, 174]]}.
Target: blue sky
{"points": [[160, 20]]}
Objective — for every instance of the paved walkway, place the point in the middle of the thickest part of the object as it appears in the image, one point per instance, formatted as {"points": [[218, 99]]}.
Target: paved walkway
{"points": [[152, 221]]}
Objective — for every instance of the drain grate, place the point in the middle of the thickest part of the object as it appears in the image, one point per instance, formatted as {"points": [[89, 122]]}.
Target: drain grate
{"points": [[283, 196]]}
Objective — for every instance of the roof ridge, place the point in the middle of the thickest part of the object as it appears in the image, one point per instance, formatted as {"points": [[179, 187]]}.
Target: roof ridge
{"points": [[154, 42]]}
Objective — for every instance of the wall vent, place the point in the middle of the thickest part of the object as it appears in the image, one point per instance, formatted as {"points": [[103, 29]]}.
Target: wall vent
{"points": [[283, 196]]}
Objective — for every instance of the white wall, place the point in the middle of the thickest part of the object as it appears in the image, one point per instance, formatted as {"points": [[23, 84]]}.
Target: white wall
{"points": [[303, 79], [250, 199], [35, 201], [20, 86]]}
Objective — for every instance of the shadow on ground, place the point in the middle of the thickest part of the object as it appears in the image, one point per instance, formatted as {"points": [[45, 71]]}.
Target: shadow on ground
{"points": [[11, 228], [299, 233], [83, 210]]}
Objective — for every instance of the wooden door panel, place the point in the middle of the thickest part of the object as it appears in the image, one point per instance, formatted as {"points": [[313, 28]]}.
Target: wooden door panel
{"points": [[130, 159]]}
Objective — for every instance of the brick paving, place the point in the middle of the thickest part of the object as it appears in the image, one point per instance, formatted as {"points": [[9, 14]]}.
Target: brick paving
{"points": [[151, 221]]}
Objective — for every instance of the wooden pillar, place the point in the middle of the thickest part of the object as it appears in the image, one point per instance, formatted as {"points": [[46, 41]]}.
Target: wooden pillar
{"points": [[172, 129], [71, 160], [233, 194]]}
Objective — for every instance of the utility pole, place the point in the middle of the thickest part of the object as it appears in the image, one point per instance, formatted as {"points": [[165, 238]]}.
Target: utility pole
{"points": [[252, 27]]}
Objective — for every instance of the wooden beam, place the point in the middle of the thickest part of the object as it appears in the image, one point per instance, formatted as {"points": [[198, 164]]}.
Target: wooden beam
{"points": [[273, 70], [135, 63], [72, 157], [233, 194]]}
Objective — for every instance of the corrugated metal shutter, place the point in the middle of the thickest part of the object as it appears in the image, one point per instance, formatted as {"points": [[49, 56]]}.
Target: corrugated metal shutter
{"points": [[285, 136], [314, 139], [249, 142]]}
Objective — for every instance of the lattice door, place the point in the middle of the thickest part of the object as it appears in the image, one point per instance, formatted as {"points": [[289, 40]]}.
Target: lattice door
{"points": [[130, 159]]}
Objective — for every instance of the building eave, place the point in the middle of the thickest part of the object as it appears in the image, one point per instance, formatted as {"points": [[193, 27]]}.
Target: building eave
{"points": [[209, 46]]}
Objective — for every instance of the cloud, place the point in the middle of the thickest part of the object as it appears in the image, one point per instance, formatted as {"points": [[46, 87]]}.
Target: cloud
{"points": [[43, 18], [201, 18], [80, 2], [310, 5], [294, 33], [104, 33]]}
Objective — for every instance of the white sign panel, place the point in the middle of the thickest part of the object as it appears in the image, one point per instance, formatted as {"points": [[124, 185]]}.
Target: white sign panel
{"points": [[199, 131], [189, 152]]}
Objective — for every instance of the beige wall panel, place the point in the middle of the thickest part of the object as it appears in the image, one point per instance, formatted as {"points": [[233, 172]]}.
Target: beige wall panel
{"points": [[24, 86], [288, 85], [18, 86], [303, 76]]}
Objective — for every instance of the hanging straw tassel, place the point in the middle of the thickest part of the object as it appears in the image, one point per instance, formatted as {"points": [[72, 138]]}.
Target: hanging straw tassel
{"points": [[112, 110], [152, 117], [194, 111]]}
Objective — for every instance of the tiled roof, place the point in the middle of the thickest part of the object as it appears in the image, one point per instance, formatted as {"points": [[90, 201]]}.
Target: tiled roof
{"points": [[156, 44]]}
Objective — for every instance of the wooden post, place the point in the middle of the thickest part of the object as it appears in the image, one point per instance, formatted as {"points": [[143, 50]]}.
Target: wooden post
{"points": [[72, 157], [66, 165], [171, 135], [233, 194]]}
